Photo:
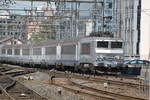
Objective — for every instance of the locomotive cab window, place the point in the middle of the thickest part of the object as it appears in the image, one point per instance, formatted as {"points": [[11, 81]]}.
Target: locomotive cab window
{"points": [[102, 44], [116, 44]]}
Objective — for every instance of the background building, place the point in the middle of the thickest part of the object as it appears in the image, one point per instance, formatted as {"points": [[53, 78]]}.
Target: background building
{"points": [[12, 25], [40, 23], [129, 26], [80, 14]]}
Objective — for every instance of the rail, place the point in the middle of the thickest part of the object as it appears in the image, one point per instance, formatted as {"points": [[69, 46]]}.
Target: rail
{"points": [[6, 94], [120, 96]]}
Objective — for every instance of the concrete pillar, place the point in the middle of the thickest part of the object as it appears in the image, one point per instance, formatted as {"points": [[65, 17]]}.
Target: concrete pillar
{"points": [[20, 51], [58, 52], [78, 51], [145, 30]]}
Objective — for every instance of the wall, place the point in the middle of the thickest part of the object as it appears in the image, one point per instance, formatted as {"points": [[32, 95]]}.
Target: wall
{"points": [[145, 30]]}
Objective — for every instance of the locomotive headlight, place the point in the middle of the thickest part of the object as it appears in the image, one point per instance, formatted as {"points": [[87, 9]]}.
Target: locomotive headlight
{"points": [[107, 65], [115, 63], [117, 57], [95, 63]]}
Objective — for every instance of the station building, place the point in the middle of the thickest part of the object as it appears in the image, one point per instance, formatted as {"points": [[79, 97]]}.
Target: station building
{"points": [[145, 30]]}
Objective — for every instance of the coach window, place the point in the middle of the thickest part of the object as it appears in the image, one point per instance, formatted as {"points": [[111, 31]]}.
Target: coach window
{"points": [[69, 49], [17, 52], [37, 51], [116, 44], [9, 51], [102, 44], [50, 50], [25, 51], [3, 51], [85, 48]]}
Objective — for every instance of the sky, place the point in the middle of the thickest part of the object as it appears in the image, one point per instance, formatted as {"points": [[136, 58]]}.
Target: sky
{"points": [[25, 5]]}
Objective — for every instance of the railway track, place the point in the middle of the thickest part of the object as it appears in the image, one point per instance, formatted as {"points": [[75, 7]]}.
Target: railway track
{"points": [[96, 93], [99, 80], [117, 96], [113, 96], [113, 82], [11, 89], [95, 79], [86, 90]]}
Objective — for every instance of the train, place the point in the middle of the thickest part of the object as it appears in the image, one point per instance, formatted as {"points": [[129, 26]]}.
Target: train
{"points": [[94, 53]]}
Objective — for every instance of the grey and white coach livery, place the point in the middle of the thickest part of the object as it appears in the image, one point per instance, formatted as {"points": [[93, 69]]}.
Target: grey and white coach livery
{"points": [[87, 51]]}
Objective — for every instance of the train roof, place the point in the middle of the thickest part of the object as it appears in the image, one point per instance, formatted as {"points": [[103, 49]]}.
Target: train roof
{"points": [[66, 41]]}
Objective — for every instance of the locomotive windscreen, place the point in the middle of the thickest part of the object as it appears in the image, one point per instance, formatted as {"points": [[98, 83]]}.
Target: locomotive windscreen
{"points": [[102, 44], [116, 44]]}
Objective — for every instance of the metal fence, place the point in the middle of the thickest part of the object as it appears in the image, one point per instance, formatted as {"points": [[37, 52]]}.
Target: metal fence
{"points": [[145, 81]]}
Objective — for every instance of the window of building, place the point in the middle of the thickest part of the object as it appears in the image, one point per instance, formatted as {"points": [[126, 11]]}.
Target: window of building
{"points": [[16, 33], [99, 28], [109, 5]]}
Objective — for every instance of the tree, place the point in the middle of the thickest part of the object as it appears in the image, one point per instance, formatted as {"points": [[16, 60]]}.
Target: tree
{"points": [[37, 37], [6, 3], [46, 32]]}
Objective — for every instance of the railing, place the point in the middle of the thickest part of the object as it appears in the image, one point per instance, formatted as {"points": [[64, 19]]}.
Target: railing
{"points": [[145, 77]]}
